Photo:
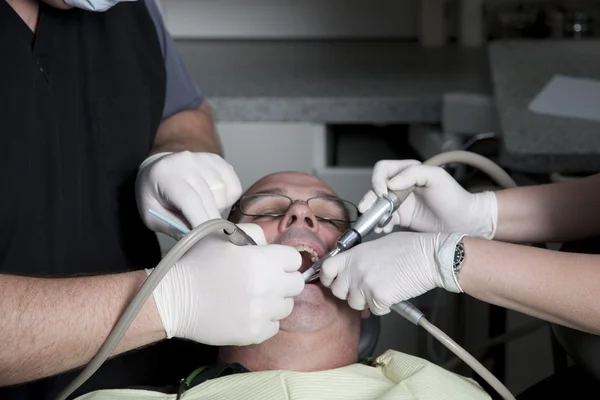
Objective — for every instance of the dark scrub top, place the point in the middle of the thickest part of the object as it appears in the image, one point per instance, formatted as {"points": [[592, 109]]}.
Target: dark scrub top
{"points": [[182, 93], [81, 102]]}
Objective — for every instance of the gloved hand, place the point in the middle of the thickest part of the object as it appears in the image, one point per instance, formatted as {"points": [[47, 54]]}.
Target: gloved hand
{"points": [[438, 203], [397, 267], [189, 188], [222, 294]]}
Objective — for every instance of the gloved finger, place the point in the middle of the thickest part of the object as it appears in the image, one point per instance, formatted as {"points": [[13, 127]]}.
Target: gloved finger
{"points": [[282, 309], [406, 211], [292, 284], [207, 170], [356, 300], [389, 227], [331, 268], [198, 212], [271, 330], [376, 306], [185, 200], [340, 288], [285, 257], [413, 175], [386, 169], [255, 232], [220, 178], [367, 201], [232, 187]]}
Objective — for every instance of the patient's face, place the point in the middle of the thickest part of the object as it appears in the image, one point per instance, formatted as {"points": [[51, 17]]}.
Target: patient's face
{"points": [[300, 227]]}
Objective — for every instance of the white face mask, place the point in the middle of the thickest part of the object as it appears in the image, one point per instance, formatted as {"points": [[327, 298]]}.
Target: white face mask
{"points": [[94, 5]]}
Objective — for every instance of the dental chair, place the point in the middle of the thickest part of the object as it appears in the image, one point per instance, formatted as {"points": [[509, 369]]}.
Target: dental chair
{"points": [[369, 335]]}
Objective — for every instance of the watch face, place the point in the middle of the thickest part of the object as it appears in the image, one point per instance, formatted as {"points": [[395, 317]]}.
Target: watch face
{"points": [[459, 255]]}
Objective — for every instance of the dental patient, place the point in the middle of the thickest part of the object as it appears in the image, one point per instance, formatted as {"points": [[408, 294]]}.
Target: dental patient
{"points": [[315, 353]]}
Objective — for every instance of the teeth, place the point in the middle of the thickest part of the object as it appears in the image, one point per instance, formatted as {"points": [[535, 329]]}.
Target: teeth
{"points": [[309, 250]]}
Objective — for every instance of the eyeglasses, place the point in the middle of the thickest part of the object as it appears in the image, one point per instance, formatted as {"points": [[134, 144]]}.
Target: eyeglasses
{"points": [[326, 208]]}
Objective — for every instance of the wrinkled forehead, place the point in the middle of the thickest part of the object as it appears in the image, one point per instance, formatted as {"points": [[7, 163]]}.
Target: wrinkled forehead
{"points": [[296, 185]]}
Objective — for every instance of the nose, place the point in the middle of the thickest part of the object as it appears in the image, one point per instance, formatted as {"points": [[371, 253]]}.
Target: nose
{"points": [[299, 215]]}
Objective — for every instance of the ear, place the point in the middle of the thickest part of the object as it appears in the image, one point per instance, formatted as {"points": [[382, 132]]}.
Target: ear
{"points": [[366, 313]]}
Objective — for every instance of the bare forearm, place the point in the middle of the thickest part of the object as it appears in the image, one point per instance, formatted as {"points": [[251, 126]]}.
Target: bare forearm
{"points": [[550, 285], [556, 212], [191, 130], [49, 326]]}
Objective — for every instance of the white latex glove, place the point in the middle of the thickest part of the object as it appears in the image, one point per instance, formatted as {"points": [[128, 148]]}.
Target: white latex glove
{"points": [[438, 203], [222, 294], [189, 188], [397, 267]]}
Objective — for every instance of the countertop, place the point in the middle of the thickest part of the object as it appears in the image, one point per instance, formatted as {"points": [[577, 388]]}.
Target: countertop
{"points": [[539, 143], [386, 82], [332, 81]]}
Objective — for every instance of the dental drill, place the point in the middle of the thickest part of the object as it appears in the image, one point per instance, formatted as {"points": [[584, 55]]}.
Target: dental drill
{"points": [[378, 215]]}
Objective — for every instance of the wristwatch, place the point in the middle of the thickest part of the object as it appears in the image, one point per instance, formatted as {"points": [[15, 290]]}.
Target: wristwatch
{"points": [[450, 257], [459, 256]]}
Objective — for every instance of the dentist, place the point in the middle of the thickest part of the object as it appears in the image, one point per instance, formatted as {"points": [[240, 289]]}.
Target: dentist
{"points": [[101, 121]]}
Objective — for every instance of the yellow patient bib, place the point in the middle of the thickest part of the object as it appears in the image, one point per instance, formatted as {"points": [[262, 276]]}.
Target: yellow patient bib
{"points": [[398, 376]]}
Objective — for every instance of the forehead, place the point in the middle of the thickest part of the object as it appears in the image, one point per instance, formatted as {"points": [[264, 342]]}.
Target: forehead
{"points": [[293, 184]]}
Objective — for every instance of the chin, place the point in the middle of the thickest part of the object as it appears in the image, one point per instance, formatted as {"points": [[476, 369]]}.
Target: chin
{"points": [[312, 311]]}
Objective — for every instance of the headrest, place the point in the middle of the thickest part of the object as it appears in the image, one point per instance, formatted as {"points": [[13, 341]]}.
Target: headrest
{"points": [[369, 335]]}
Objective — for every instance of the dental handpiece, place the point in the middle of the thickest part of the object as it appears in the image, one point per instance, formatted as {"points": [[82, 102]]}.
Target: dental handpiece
{"points": [[377, 216], [237, 237]]}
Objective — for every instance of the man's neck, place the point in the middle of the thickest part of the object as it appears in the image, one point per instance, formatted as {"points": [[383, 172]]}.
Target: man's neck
{"points": [[28, 10], [298, 351]]}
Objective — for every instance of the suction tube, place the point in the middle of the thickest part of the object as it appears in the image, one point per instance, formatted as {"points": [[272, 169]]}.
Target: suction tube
{"points": [[414, 315]]}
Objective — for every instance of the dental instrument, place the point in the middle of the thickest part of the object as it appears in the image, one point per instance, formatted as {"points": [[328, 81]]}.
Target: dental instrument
{"points": [[238, 237], [378, 215], [382, 210], [174, 224]]}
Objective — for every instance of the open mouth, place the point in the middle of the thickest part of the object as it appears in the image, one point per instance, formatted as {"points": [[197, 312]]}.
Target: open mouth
{"points": [[314, 256], [309, 257]]}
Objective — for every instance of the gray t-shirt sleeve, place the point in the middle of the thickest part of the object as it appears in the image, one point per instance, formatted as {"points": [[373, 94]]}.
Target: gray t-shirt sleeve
{"points": [[182, 92]]}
